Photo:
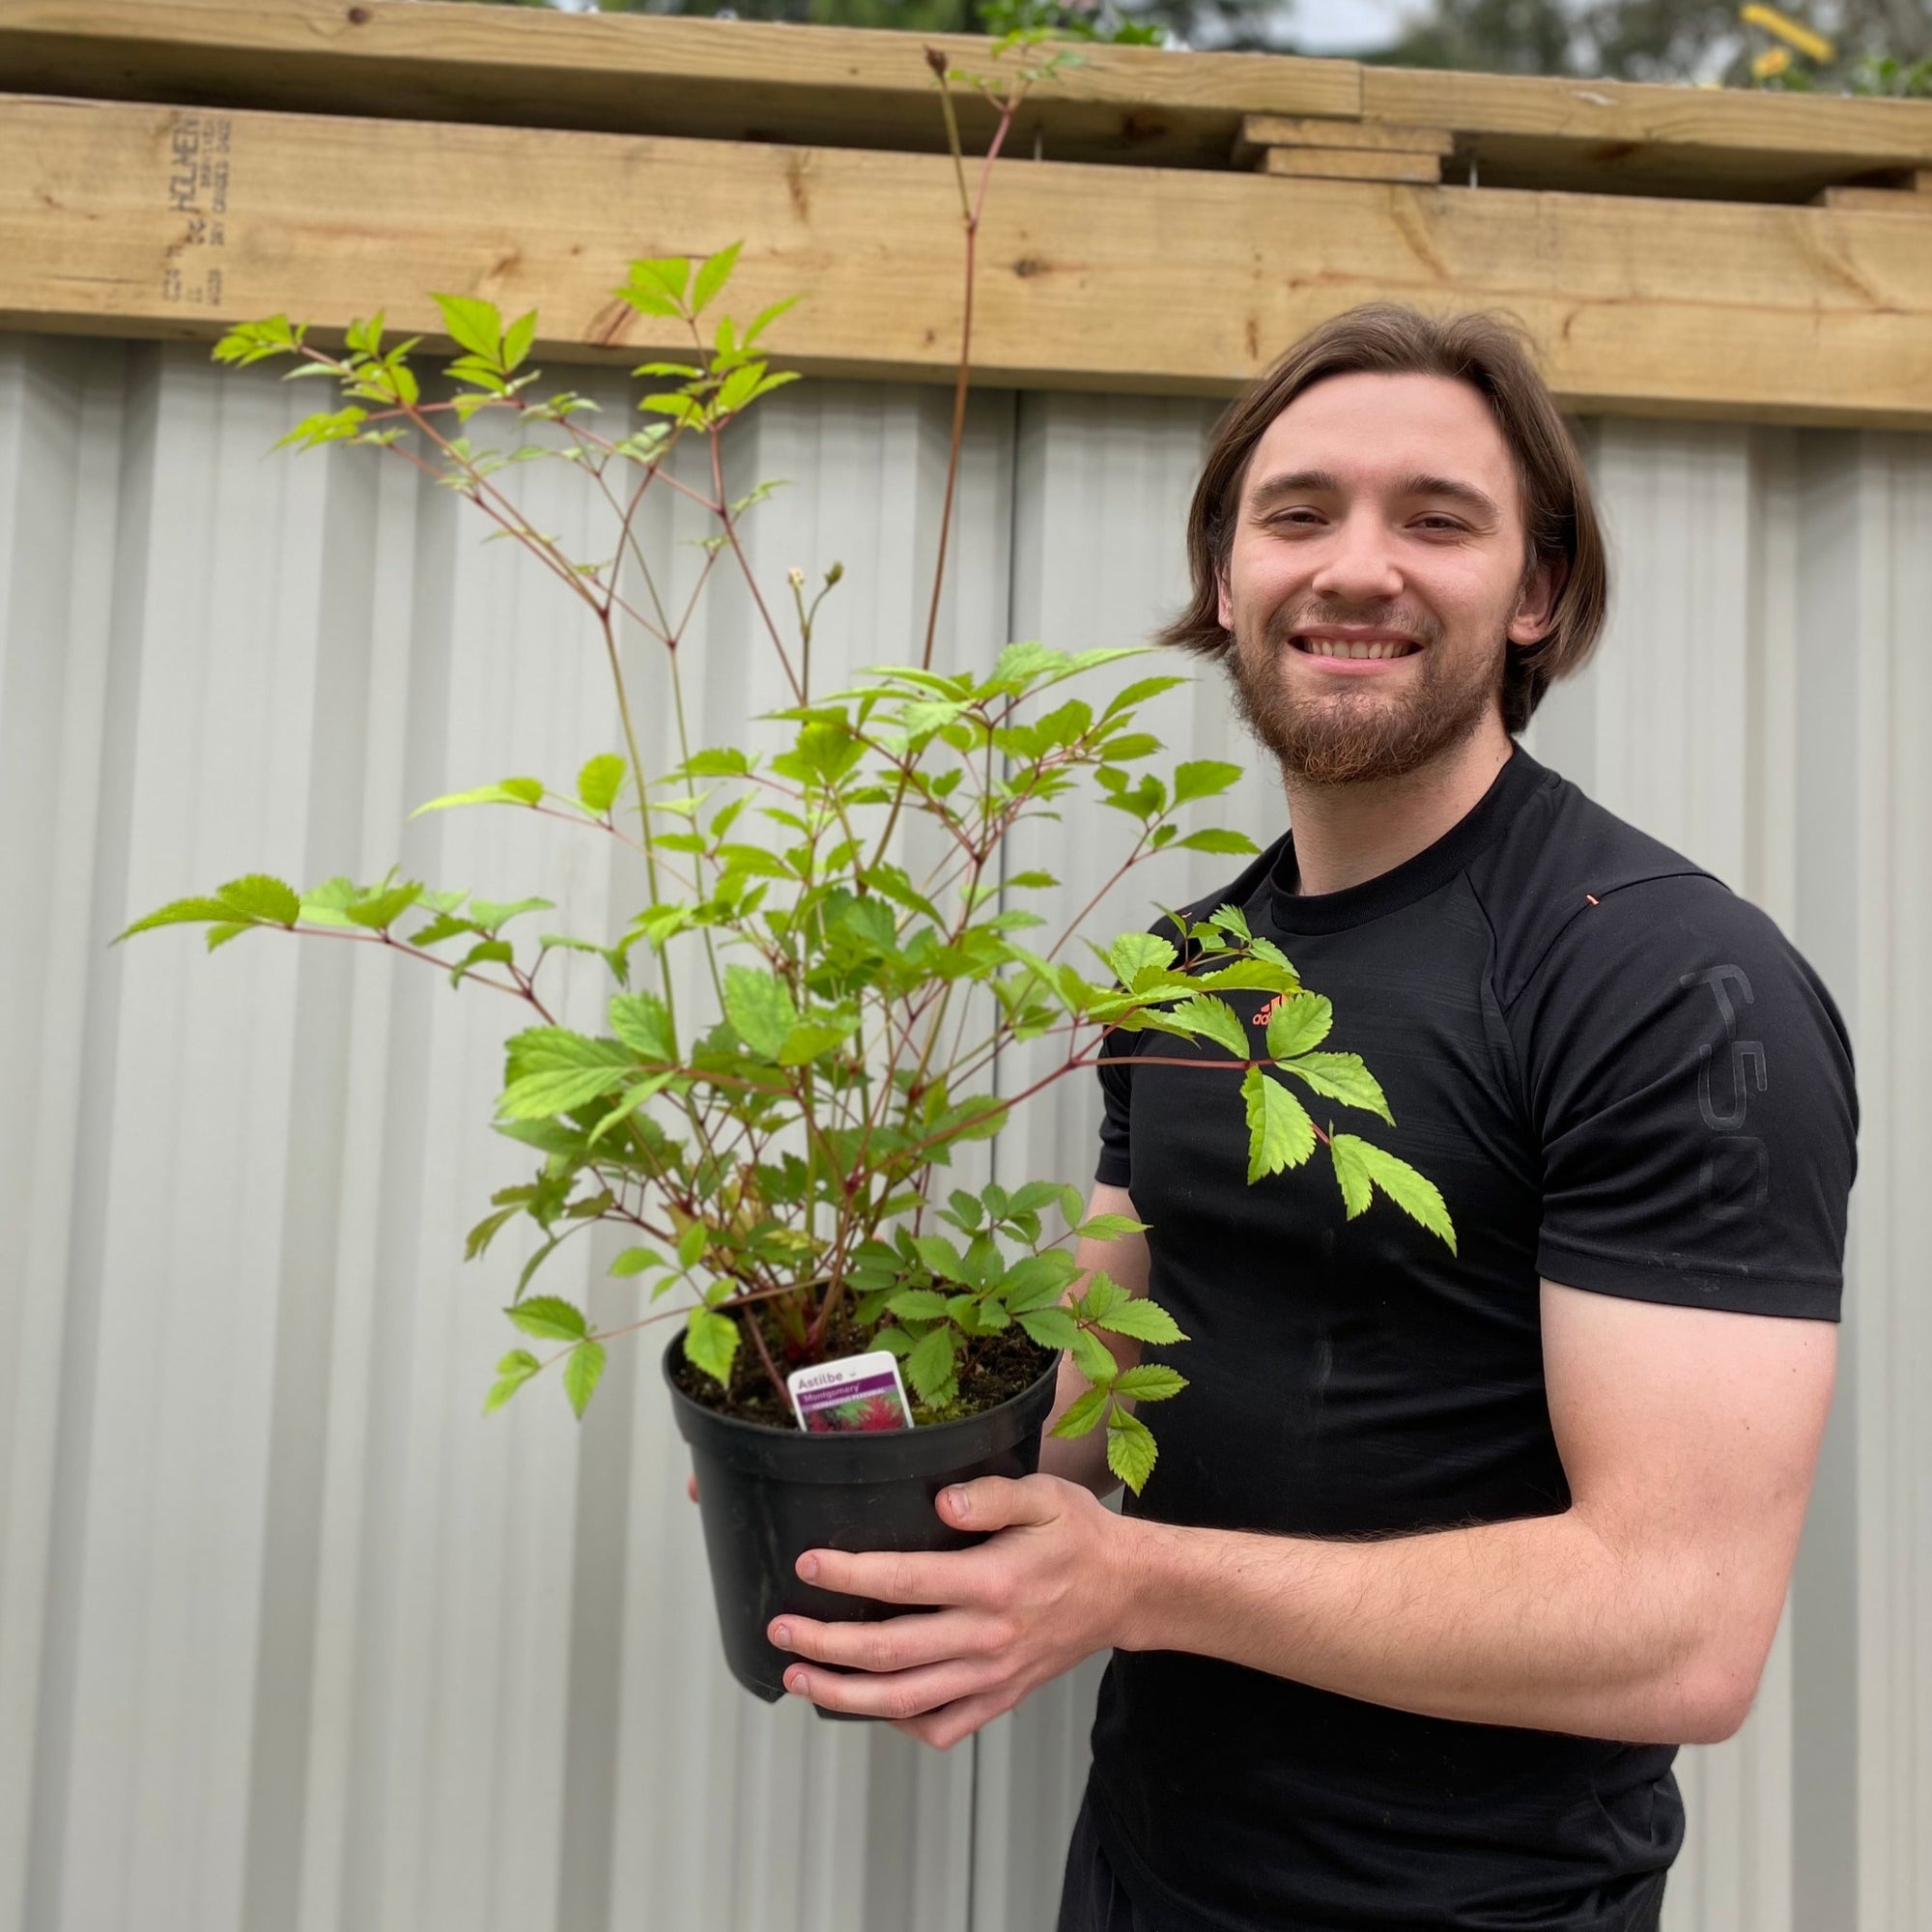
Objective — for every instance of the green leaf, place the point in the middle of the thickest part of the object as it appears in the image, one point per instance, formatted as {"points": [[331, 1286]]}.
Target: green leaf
{"points": [[940, 1256], [472, 324], [178, 912], [711, 1343], [1109, 1228], [929, 1366], [1231, 920], [713, 276], [1213, 1019], [599, 781], [511, 791], [642, 1022], [257, 897], [535, 1097], [380, 910], [1051, 1327], [1149, 1381], [518, 337], [582, 1368], [1340, 1076], [692, 1245], [1144, 1320], [1084, 1412], [1280, 1133], [635, 1261], [1236, 844], [512, 1373], [761, 1010], [1133, 953], [817, 1034], [1130, 1450], [917, 1304], [1202, 777], [1093, 1357], [1359, 1162], [550, 1318], [1298, 1024]]}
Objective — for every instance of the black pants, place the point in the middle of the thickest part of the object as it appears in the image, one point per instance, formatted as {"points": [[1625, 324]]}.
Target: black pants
{"points": [[1092, 1898]]}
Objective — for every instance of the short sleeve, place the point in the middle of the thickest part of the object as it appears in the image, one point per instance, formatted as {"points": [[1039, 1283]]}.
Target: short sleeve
{"points": [[1691, 1084], [1116, 1167]]}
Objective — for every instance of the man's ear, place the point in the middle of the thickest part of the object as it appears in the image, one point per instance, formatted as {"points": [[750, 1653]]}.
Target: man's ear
{"points": [[1224, 612], [1535, 600]]}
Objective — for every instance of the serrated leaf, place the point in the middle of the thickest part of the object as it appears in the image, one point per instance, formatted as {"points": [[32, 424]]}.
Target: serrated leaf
{"points": [[1149, 1381], [257, 897], [1202, 777], [472, 324], [1037, 1281], [548, 1317], [1341, 1076], [178, 912], [1132, 953], [713, 276], [582, 1368], [1084, 1412], [1131, 1449], [692, 1245], [600, 781], [1050, 1327], [536, 1097], [1298, 1024], [1216, 838], [711, 1343], [1280, 1133], [1109, 1228], [518, 337], [1359, 1162], [940, 1256], [1144, 1320], [1214, 1019], [929, 1366], [1230, 919], [380, 910], [917, 1304], [511, 791], [635, 1261], [642, 1022], [1093, 1357], [761, 1010]]}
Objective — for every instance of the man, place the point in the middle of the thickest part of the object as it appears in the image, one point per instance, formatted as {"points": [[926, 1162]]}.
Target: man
{"points": [[1446, 1552]]}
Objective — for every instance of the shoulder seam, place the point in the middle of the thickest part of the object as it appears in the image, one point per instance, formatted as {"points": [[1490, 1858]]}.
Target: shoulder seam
{"points": [[1687, 870]]}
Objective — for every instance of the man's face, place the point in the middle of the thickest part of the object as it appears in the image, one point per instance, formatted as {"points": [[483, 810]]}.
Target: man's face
{"points": [[1376, 573]]}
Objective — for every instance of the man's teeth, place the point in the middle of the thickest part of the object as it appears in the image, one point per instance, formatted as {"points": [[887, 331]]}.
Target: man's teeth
{"points": [[1340, 648]]}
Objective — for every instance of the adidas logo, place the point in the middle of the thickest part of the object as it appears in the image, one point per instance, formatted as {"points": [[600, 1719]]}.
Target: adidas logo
{"points": [[1270, 1008]]}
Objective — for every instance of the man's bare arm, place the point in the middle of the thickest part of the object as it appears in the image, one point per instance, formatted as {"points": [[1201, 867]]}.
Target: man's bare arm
{"points": [[1643, 1612], [1084, 1461]]}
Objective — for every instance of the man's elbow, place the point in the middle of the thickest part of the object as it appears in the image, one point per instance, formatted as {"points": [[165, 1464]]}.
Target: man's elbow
{"points": [[1708, 1703]]}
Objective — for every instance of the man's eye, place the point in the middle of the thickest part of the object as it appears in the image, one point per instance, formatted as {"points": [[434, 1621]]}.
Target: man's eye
{"points": [[1438, 523]]}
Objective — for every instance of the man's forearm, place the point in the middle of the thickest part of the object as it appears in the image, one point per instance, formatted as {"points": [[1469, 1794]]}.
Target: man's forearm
{"points": [[1539, 1623]]}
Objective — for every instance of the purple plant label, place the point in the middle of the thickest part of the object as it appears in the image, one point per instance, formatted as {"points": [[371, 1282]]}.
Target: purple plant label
{"points": [[859, 1393]]}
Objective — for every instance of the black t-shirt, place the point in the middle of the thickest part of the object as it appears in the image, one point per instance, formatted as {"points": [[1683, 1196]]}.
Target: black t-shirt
{"points": [[1622, 1078]]}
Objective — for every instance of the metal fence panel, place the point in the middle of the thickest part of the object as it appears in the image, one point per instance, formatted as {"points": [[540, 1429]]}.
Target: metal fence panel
{"points": [[290, 1635]]}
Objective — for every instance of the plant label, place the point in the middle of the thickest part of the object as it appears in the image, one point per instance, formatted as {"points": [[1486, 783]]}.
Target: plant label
{"points": [[859, 1392]]}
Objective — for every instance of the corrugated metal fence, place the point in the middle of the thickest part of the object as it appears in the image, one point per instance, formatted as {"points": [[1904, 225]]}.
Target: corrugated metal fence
{"points": [[290, 1635]]}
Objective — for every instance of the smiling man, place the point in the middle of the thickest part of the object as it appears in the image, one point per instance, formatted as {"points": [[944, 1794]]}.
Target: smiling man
{"points": [[1445, 1552]]}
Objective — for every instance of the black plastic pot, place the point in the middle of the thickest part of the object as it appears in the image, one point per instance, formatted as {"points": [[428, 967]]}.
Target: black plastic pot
{"points": [[767, 1496]]}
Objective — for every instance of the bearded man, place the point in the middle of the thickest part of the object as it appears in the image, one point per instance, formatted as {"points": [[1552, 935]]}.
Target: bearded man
{"points": [[1446, 1552]]}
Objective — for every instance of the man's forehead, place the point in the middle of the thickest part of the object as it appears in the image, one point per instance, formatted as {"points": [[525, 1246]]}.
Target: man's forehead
{"points": [[1389, 429]]}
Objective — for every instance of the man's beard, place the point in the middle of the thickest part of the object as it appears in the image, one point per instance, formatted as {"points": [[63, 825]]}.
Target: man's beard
{"points": [[1355, 736]]}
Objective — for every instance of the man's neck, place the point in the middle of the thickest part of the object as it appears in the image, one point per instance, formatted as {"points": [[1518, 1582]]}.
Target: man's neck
{"points": [[1347, 835]]}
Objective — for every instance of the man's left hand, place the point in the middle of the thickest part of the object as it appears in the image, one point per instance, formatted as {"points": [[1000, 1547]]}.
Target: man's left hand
{"points": [[1048, 1589]]}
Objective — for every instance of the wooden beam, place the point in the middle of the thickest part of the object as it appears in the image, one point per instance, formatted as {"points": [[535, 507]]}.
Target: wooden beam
{"points": [[1368, 165], [1597, 135], [1261, 131], [1162, 280], [840, 87], [634, 73]]}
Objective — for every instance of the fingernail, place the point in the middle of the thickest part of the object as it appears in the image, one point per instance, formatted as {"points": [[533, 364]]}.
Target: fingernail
{"points": [[795, 1682], [782, 1635], [958, 1502], [807, 1566]]}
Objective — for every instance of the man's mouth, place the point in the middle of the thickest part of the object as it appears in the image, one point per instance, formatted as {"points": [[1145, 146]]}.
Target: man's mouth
{"points": [[1354, 647]]}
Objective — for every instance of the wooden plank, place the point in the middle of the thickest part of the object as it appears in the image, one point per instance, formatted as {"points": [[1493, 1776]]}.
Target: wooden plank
{"points": [[636, 73], [1350, 164], [844, 87], [1162, 279], [1263, 132], [1597, 135], [1876, 200]]}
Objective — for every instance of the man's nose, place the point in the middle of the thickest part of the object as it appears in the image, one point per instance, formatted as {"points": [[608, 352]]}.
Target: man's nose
{"points": [[1358, 564]]}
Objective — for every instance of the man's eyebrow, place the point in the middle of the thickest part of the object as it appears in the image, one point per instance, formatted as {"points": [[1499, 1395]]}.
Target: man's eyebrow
{"points": [[1322, 482]]}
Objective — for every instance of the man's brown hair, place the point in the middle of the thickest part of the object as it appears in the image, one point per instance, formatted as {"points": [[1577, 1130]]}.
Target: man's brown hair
{"points": [[1489, 354]]}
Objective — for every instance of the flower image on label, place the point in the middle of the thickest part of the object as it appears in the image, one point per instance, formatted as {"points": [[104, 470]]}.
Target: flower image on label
{"points": [[861, 1392]]}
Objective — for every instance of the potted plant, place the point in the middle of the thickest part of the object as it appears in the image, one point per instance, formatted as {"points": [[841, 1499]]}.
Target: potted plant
{"points": [[769, 1128]]}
